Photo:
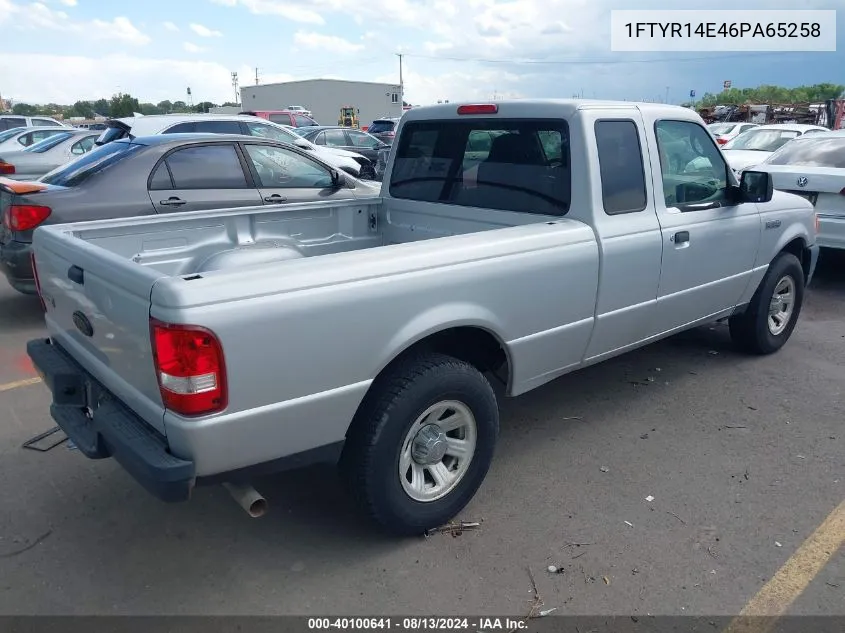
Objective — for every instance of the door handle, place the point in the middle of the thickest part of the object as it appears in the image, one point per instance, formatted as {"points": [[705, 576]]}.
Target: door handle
{"points": [[172, 202], [681, 237], [275, 198]]}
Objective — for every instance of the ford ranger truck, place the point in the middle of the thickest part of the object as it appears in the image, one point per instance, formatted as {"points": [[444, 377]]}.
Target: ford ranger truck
{"points": [[511, 243]]}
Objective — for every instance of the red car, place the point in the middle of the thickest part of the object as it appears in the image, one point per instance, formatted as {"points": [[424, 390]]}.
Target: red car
{"points": [[284, 117]]}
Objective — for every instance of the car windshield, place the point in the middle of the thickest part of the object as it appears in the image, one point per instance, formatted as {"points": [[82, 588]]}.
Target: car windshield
{"points": [[5, 136], [73, 173], [814, 151], [380, 126], [722, 128], [48, 143], [763, 140]]}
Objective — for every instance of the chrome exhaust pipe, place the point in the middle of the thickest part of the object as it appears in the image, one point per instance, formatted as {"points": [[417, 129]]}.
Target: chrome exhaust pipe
{"points": [[248, 498]]}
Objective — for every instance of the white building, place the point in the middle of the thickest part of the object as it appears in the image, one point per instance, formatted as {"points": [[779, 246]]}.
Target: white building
{"points": [[325, 98]]}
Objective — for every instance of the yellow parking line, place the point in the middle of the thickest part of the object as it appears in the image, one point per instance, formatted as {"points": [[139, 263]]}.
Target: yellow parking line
{"points": [[19, 383], [790, 581]]}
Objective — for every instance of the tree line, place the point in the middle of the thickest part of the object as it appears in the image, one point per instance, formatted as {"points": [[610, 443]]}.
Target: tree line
{"points": [[818, 93], [120, 105]]}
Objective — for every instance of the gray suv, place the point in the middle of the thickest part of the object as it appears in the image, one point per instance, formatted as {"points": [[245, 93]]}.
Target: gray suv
{"points": [[384, 130]]}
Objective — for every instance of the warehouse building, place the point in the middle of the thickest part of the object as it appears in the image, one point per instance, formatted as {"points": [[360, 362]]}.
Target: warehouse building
{"points": [[325, 98]]}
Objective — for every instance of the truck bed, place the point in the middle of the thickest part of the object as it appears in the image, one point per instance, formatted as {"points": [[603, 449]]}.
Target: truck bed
{"points": [[292, 287]]}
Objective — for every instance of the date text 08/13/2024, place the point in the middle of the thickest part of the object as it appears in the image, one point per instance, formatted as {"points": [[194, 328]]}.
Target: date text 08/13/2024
{"points": [[417, 623]]}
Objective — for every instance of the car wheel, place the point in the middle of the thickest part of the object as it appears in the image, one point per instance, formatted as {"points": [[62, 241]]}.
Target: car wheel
{"points": [[772, 313], [422, 442]]}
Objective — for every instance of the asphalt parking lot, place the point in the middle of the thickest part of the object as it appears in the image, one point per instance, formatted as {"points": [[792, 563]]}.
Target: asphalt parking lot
{"points": [[743, 458]]}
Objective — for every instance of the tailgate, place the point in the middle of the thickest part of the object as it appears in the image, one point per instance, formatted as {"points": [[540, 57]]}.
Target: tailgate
{"points": [[98, 310]]}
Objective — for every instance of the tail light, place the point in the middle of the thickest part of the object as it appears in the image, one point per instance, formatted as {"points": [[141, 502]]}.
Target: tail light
{"points": [[37, 281], [6, 168], [721, 141], [479, 108], [24, 217], [817, 223], [190, 368]]}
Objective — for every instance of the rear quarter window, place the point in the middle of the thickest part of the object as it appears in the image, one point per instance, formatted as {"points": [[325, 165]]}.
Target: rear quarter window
{"points": [[501, 164], [94, 162]]}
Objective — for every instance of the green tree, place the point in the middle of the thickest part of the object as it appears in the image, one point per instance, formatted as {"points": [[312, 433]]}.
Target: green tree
{"points": [[150, 108], [24, 109], [102, 107], [81, 108], [231, 104], [180, 106], [774, 94], [165, 106], [123, 105], [204, 106]]}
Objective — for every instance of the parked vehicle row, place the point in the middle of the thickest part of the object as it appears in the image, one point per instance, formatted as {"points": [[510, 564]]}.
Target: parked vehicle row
{"points": [[344, 138], [754, 146], [34, 161], [8, 121], [18, 138], [208, 347]]}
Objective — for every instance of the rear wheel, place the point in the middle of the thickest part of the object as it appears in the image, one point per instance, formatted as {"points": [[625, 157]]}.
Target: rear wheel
{"points": [[422, 442], [773, 312]]}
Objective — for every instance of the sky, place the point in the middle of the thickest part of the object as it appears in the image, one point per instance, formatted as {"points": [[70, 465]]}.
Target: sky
{"points": [[63, 51]]}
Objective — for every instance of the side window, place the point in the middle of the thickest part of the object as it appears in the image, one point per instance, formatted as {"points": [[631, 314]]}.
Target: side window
{"points": [[218, 127], [43, 122], [206, 167], [84, 146], [302, 121], [359, 139], [320, 139], [334, 138], [160, 180], [693, 168], [621, 165], [9, 122], [282, 119], [181, 128], [27, 139], [268, 131], [40, 135], [277, 167]]}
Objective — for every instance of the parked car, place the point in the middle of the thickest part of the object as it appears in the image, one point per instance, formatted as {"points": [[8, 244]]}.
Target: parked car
{"points": [[349, 162], [18, 138], [286, 117], [345, 138], [725, 132], [384, 129], [300, 110], [225, 343], [755, 146], [8, 121], [92, 126], [163, 174], [813, 167], [36, 160]]}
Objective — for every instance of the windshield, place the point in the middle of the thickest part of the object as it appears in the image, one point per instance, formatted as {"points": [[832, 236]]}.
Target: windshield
{"points": [[73, 173], [381, 126], [763, 140], [721, 128], [48, 143], [4, 136], [812, 152]]}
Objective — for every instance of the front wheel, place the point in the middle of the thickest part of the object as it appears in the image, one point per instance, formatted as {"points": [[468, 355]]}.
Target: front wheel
{"points": [[422, 442], [773, 312]]}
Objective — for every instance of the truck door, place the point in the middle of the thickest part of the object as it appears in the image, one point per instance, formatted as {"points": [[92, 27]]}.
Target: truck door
{"points": [[625, 221], [709, 243], [201, 176]]}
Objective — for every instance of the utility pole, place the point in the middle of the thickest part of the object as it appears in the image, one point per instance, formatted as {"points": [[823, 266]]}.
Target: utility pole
{"points": [[401, 83], [256, 76], [667, 95], [235, 86]]}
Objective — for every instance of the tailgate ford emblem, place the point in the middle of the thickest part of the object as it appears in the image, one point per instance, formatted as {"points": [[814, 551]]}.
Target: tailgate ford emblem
{"points": [[83, 324], [802, 181]]}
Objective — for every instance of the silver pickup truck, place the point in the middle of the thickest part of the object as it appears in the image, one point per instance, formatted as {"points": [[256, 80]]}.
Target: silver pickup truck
{"points": [[512, 243]]}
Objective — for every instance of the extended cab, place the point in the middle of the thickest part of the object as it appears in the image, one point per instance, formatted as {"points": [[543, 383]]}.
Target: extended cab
{"points": [[512, 243]]}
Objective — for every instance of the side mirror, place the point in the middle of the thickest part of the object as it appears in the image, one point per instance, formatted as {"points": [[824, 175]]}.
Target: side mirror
{"points": [[756, 186], [338, 178]]}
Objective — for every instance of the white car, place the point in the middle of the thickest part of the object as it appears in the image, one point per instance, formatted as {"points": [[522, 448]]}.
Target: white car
{"points": [[814, 167], [299, 110], [726, 132], [18, 138], [350, 162], [754, 146], [8, 121]]}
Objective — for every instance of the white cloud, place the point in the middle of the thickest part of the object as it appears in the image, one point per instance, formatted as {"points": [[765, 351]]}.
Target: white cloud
{"points": [[171, 27], [326, 43], [69, 3], [37, 16], [293, 11], [193, 48], [204, 31]]}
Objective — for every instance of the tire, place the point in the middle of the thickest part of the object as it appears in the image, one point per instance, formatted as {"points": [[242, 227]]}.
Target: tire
{"points": [[752, 331], [376, 449]]}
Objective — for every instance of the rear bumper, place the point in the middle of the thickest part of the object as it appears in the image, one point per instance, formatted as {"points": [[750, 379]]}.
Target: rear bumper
{"points": [[16, 265], [109, 429], [831, 231]]}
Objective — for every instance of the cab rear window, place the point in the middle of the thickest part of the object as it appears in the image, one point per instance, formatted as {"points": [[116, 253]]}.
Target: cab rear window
{"points": [[503, 164]]}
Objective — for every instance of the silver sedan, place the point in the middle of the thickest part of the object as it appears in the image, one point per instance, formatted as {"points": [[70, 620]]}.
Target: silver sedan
{"points": [[42, 157]]}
